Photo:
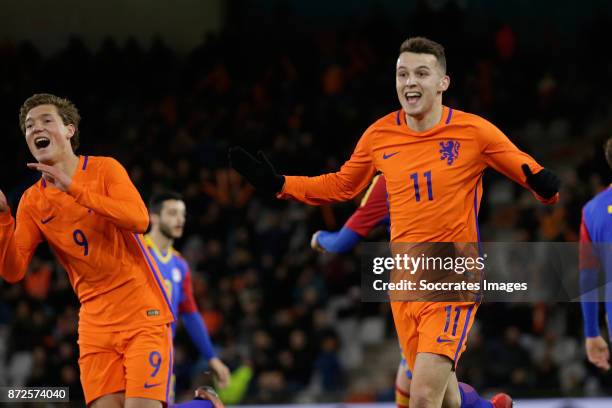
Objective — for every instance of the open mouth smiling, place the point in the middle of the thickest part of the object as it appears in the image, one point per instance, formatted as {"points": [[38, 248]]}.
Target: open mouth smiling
{"points": [[412, 97], [41, 142]]}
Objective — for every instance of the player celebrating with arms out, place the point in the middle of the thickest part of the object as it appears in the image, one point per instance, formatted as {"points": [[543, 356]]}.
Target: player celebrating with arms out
{"points": [[167, 212], [433, 158], [92, 216]]}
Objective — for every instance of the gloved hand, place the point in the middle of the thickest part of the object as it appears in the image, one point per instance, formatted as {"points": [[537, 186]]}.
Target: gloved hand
{"points": [[260, 173], [545, 183]]}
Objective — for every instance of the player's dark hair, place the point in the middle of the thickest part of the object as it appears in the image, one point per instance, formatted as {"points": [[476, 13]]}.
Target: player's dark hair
{"points": [[65, 109], [608, 150], [157, 200], [422, 45]]}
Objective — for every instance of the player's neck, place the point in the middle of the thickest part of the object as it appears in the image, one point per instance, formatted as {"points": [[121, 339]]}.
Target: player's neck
{"points": [[162, 242], [428, 120], [68, 163]]}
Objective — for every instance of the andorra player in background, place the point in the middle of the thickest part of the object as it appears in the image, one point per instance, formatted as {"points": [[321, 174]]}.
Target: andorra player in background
{"points": [[595, 259], [433, 158], [373, 211], [92, 216], [167, 212]]}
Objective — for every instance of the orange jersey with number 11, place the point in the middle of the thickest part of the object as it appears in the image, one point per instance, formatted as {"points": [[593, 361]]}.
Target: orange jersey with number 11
{"points": [[434, 185], [434, 178]]}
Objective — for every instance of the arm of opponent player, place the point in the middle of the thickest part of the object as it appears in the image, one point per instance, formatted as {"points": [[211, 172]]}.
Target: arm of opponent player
{"points": [[194, 324], [17, 245], [372, 211], [333, 187], [502, 155], [123, 204], [336, 242], [597, 349]]}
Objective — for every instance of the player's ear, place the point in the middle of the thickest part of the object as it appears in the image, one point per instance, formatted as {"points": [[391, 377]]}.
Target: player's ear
{"points": [[444, 83], [71, 130]]}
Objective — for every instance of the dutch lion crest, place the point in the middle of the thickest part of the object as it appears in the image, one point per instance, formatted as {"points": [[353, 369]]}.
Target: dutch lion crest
{"points": [[449, 151]]}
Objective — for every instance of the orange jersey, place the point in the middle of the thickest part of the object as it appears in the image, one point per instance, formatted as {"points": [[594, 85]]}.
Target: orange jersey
{"points": [[434, 178], [94, 231]]}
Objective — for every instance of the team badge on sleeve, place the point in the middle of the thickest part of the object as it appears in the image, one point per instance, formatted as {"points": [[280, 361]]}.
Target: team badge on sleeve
{"points": [[449, 151]]}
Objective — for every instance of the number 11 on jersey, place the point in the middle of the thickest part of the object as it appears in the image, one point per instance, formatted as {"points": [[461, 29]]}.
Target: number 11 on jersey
{"points": [[415, 180]]}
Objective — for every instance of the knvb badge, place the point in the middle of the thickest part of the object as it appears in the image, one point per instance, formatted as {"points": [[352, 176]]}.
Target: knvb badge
{"points": [[449, 151]]}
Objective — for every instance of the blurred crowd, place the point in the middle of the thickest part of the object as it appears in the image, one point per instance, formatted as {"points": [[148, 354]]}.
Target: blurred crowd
{"points": [[290, 317]]}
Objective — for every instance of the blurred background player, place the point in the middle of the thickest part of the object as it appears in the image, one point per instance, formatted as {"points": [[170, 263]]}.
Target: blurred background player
{"points": [[167, 217], [595, 259], [433, 158], [91, 215], [373, 211]]}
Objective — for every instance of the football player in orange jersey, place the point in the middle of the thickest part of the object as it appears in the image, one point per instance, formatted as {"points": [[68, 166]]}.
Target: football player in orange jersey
{"points": [[433, 158], [92, 216]]}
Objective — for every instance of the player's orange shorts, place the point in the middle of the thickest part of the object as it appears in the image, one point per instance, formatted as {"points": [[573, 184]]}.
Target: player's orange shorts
{"points": [[137, 362], [433, 327]]}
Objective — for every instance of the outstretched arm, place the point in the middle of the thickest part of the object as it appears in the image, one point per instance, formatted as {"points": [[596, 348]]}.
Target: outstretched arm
{"points": [[333, 187], [343, 185], [501, 154]]}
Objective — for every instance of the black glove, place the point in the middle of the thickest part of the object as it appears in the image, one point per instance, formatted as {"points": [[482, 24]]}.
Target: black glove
{"points": [[545, 183], [260, 173]]}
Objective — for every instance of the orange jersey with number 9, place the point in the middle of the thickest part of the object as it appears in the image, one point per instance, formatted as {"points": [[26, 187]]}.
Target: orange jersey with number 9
{"points": [[94, 231]]}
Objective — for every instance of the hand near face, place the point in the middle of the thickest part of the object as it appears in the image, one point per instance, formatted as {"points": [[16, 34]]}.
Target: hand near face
{"points": [[53, 175]]}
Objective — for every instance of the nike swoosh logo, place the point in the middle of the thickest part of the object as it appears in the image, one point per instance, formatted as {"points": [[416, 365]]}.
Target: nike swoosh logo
{"points": [[46, 220], [151, 385], [386, 156], [440, 340]]}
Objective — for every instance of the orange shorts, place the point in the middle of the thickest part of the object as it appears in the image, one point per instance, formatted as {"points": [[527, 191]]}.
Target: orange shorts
{"points": [[136, 361], [433, 327]]}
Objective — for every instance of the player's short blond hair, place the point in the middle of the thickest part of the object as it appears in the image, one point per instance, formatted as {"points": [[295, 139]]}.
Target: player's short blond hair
{"points": [[65, 109], [608, 150], [422, 45]]}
